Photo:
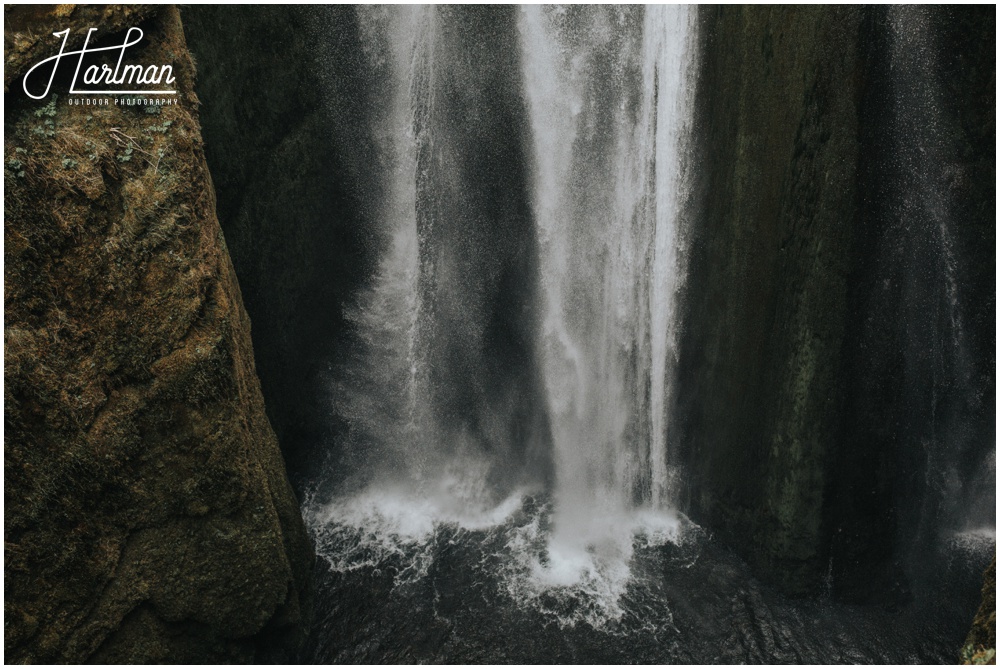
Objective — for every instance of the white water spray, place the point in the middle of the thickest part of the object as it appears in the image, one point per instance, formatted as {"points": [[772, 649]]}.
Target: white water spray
{"points": [[399, 448], [382, 393], [609, 96]]}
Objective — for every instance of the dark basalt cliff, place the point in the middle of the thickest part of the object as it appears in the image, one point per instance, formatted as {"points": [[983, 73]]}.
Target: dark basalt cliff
{"points": [[286, 122], [777, 126], [148, 516], [837, 367]]}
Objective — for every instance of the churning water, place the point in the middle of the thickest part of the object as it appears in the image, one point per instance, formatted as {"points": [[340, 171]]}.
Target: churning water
{"points": [[448, 531], [404, 580]]}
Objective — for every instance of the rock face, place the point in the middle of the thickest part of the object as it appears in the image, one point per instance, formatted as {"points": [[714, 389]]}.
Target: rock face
{"points": [[838, 359], [148, 516], [916, 454], [776, 114], [981, 644]]}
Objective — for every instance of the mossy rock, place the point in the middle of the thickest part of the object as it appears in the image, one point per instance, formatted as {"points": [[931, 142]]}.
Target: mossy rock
{"points": [[148, 515], [981, 644]]}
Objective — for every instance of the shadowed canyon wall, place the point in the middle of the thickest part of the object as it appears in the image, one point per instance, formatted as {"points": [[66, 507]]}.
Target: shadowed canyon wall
{"points": [[297, 192], [777, 122], [916, 462], [148, 516], [838, 364]]}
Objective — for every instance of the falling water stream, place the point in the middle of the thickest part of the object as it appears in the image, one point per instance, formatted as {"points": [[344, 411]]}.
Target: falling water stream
{"points": [[442, 534], [608, 214]]}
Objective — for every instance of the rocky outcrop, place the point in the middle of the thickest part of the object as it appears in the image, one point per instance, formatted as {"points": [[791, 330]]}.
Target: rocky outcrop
{"points": [[148, 516], [981, 644]]}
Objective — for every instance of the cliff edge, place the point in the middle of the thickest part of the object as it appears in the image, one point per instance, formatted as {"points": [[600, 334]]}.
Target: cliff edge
{"points": [[148, 513]]}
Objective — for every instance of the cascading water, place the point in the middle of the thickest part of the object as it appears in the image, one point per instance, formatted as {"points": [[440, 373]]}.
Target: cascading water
{"points": [[408, 464], [386, 316], [609, 94], [607, 338], [409, 469], [502, 488]]}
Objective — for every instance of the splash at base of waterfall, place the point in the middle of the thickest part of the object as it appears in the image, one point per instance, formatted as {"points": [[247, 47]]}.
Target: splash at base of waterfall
{"points": [[399, 530], [408, 577]]}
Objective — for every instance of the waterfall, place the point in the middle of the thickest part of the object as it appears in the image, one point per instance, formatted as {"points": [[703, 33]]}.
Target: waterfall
{"points": [[518, 324], [380, 393], [504, 466], [609, 96], [437, 394], [397, 447]]}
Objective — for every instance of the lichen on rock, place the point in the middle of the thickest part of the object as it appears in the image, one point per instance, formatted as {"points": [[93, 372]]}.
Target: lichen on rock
{"points": [[148, 514], [981, 644]]}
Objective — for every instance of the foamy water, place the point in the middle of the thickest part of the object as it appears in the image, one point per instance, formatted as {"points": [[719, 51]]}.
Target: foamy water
{"points": [[579, 581]]}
